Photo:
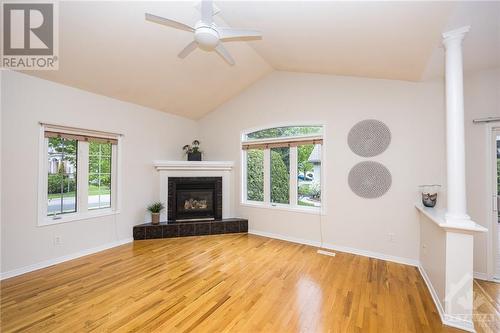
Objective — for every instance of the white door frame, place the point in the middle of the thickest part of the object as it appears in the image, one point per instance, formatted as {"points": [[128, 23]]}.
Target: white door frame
{"points": [[493, 130]]}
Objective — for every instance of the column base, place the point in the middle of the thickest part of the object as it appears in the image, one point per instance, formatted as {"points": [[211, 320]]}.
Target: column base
{"points": [[463, 324]]}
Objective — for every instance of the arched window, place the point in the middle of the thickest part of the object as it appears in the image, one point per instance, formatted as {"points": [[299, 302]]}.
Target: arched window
{"points": [[282, 167]]}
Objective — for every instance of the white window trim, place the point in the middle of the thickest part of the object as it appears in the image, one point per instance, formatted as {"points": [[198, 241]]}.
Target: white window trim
{"points": [[82, 213], [281, 139], [284, 207], [293, 205]]}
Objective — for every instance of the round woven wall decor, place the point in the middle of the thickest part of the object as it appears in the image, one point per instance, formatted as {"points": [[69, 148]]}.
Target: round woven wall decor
{"points": [[369, 179], [369, 138]]}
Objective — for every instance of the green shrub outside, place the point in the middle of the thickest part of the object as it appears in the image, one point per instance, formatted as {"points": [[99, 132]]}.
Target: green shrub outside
{"points": [[255, 175], [280, 175], [54, 184]]}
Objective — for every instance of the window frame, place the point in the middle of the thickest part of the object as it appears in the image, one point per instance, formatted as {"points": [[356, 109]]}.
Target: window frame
{"points": [[293, 183], [82, 212]]}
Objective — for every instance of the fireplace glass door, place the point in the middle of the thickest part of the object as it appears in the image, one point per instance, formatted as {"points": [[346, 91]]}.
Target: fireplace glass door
{"points": [[195, 204]]}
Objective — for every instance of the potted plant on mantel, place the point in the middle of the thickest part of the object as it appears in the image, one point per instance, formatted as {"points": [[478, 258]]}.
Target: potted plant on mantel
{"points": [[155, 209], [193, 151]]}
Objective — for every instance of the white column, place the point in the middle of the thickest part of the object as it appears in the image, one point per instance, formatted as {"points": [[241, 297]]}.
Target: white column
{"points": [[455, 144], [458, 240]]}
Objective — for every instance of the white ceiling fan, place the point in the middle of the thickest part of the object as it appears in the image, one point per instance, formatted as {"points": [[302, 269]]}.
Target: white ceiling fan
{"points": [[207, 35]]}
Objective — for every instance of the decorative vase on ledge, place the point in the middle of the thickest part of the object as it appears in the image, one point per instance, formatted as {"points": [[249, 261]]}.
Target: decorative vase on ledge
{"points": [[194, 156], [429, 194]]}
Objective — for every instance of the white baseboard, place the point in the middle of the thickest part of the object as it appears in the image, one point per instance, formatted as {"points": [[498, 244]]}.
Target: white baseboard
{"points": [[364, 253], [51, 262], [445, 319], [481, 276], [459, 323], [371, 254], [433, 292], [485, 277], [285, 238]]}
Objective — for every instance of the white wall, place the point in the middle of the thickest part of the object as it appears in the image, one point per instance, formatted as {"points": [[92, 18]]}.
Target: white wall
{"points": [[148, 135], [413, 111], [482, 99], [433, 258]]}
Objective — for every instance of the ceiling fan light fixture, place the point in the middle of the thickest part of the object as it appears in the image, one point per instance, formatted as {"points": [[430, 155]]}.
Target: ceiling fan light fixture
{"points": [[207, 38]]}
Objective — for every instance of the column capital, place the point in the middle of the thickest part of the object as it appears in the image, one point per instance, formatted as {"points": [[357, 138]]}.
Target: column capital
{"points": [[455, 35]]}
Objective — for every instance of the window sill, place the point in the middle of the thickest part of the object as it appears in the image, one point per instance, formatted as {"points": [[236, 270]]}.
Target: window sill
{"points": [[76, 217], [298, 209]]}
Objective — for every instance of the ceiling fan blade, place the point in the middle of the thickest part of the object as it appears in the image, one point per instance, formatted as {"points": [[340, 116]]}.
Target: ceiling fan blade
{"points": [[207, 11], [230, 33], [188, 49], [221, 50], [168, 22]]}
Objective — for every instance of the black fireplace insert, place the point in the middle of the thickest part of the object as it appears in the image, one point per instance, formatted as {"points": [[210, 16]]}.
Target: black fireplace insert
{"points": [[194, 198]]}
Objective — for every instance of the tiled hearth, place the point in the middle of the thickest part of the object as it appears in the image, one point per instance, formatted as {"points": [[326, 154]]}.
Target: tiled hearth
{"points": [[194, 228]]}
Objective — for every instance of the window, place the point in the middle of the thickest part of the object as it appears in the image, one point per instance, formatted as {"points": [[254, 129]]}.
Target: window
{"points": [[280, 175], [255, 175], [61, 179], [286, 131], [99, 191], [81, 173], [283, 167], [309, 175]]}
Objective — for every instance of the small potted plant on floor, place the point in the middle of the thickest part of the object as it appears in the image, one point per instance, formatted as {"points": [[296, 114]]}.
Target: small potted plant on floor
{"points": [[155, 209], [193, 151]]}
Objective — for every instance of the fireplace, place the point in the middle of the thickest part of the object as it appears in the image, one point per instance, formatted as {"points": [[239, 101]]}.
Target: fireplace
{"points": [[194, 198], [196, 205]]}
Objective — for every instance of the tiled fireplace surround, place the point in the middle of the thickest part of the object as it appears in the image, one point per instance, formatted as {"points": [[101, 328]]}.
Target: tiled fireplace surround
{"points": [[222, 170], [176, 184]]}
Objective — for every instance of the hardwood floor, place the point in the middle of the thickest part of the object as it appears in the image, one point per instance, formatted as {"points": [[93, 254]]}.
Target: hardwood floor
{"points": [[223, 283], [487, 306]]}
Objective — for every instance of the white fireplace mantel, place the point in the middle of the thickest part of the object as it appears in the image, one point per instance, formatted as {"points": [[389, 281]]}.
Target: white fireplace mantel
{"points": [[197, 169], [194, 165]]}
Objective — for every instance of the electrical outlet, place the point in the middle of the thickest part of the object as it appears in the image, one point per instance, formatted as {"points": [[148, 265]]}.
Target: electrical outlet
{"points": [[57, 240], [392, 237]]}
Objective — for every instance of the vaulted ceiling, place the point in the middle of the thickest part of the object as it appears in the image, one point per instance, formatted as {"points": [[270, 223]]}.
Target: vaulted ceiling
{"points": [[387, 40], [108, 48]]}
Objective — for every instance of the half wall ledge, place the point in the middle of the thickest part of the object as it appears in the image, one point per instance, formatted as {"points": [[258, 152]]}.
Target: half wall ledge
{"points": [[437, 216]]}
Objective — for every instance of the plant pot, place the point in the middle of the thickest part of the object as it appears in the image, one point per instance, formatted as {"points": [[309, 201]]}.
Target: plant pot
{"points": [[155, 218], [194, 156]]}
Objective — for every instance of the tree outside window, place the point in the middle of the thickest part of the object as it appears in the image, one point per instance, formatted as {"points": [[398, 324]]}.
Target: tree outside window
{"points": [[61, 180], [255, 175]]}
